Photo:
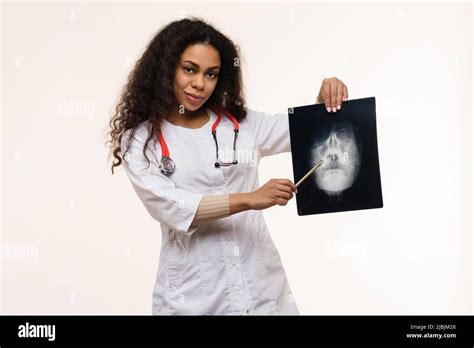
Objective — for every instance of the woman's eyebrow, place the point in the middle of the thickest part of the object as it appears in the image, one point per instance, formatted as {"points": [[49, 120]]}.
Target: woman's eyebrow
{"points": [[189, 61]]}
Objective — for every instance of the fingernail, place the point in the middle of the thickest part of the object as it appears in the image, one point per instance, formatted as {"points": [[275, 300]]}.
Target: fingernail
{"points": [[328, 109], [334, 109], [339, 107]]}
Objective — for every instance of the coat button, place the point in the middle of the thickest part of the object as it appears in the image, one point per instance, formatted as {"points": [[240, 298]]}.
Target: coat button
{"points": [[236, 251]]}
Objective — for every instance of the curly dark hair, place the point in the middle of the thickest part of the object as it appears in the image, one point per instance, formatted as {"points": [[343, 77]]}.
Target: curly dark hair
{"points": [[148, 92]]}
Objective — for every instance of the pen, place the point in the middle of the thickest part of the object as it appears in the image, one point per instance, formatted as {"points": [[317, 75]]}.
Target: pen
{"points": [[320, 162]]}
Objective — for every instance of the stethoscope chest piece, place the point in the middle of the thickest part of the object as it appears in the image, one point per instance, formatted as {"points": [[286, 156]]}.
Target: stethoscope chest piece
{"points": [[167, 165]]}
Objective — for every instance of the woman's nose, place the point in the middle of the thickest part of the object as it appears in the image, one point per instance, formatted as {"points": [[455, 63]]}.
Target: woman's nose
{"points": [[198, 82]]}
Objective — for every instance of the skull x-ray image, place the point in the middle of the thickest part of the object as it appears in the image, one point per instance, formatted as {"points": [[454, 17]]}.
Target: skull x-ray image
{"points": [[346, 142], [339, 148]]}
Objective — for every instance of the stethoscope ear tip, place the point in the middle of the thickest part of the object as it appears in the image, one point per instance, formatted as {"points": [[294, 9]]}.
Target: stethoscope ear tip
{"points": [[217, 164]]}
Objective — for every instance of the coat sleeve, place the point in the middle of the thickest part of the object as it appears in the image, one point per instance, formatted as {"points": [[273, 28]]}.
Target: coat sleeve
{"points": [[272, 132], [172, 207]]}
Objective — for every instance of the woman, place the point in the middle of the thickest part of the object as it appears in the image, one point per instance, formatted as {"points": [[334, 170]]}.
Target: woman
{"points": [[217, 256]]}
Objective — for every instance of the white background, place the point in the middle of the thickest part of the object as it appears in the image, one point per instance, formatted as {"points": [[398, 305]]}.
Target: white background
{"points": [[77, 240]]}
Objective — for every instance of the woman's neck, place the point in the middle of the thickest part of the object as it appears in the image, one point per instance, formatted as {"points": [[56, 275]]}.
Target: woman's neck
{"points": [[188, 119]]}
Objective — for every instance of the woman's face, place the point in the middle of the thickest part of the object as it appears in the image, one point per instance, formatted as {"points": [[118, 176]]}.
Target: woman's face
{"points": [[196, 75]]}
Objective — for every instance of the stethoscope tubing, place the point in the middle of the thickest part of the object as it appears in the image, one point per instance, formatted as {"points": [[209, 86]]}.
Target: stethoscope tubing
{"points": [[167, 165]]}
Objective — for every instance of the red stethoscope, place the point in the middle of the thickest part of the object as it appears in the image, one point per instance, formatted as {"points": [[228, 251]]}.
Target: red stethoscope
{"points": [[167, 165]]}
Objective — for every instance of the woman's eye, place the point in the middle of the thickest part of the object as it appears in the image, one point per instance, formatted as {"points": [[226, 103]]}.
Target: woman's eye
{"points": [[214, 75], [187, 68]]}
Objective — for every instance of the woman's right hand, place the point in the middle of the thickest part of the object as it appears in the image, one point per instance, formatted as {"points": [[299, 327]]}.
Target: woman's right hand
{"points": [[275, 191]]}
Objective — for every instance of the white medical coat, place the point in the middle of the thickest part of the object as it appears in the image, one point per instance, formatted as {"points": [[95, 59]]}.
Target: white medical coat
{"points": [[229, 266]]}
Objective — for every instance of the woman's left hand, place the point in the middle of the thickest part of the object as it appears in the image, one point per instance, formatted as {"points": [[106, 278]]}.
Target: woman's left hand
{"points": [[332, 93]]}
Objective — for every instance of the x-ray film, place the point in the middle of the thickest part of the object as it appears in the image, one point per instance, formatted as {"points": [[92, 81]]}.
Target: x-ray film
{"points": [[346, 143]]}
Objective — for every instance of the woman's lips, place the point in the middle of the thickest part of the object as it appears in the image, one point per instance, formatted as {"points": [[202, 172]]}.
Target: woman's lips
{"points": [[194, 99]]}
